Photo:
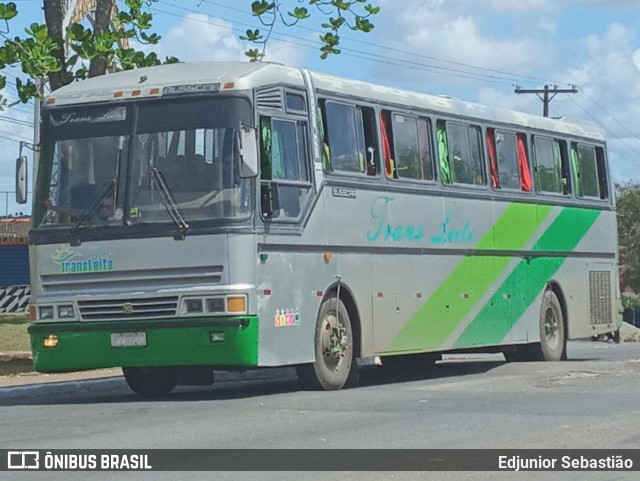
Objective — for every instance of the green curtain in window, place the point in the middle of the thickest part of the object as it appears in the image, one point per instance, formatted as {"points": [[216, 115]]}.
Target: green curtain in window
{"points": [[443, 153], [265, 148], [271, 161]]}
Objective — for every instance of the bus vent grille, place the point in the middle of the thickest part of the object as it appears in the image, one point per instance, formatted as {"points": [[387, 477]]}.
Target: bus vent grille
{"points": [[125, 280], [600, 297], [270, 98], [121, 309]]}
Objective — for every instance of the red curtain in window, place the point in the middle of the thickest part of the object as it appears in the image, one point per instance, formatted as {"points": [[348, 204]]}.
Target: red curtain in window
{"points": [[525, 172], [386, 147], [493, 162]]}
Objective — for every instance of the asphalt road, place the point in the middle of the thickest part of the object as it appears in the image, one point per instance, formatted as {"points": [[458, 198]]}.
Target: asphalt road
{"points": [[591, 401]]}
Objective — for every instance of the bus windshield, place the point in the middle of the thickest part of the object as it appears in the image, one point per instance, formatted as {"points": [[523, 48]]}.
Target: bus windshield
{"points": [[141, 164]]}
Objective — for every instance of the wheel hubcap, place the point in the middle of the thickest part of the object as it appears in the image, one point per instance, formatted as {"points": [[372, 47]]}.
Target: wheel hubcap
{"points": [[551, 327], [334, 342]]}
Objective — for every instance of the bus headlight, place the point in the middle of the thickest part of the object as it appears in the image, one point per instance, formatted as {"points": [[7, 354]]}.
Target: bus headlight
{"points": [[66, 312], [192, 306], [216, 305], [46, 312]]}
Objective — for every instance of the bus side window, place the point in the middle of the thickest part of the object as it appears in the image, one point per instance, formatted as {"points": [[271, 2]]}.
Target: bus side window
{"points": [[283, 160], [508, 161], [551, 166], [588, 167], [465, 157], [411, 146], [345, 137]]}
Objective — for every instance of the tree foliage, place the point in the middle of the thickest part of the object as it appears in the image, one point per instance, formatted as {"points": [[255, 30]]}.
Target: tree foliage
{"points": [[340, 14], [93, 49], [628, 208], [41, 52]]}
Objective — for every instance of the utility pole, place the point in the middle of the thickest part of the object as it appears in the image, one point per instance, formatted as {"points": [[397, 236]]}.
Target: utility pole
{"points": [[546, 98]]}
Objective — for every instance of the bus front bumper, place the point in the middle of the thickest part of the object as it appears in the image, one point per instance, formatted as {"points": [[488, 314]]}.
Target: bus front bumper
{"points": [[72, 346]]}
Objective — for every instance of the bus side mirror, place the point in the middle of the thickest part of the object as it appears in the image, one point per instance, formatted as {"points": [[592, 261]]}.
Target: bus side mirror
{"points": [[248, 139], [21, 180]]}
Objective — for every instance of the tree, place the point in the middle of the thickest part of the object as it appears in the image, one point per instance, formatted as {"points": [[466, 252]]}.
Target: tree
{"points": [[42, 53], [628, 207], [91, 51], [340, 13]]}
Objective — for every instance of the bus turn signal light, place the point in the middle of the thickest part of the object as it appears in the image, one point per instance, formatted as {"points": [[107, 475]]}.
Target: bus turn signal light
{"points": [[236, 305]]}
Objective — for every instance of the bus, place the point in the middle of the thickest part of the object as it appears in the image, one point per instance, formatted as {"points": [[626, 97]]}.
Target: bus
{"points": [[202, 216]]}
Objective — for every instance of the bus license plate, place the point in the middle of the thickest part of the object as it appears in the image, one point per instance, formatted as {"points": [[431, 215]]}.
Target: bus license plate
{"points": [[128, 339]]}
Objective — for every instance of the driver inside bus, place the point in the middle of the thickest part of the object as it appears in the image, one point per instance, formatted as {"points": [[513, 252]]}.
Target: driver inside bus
{"points": [[105, 212]]}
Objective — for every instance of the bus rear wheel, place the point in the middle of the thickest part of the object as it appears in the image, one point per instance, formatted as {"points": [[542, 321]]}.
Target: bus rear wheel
{"points": [[335, 363], [552, 329], [151, 381]]}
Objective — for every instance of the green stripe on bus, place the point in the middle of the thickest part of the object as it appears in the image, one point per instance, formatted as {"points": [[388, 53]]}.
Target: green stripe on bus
{"points": [[442, 312], [496, 319]]}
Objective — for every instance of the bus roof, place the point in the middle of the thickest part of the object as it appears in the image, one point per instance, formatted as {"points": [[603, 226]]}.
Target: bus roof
{"points": [[151, 82]]}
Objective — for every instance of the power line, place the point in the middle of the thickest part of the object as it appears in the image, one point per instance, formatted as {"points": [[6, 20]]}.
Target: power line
{"points": [[12, 120], [584, 92], [520, 77], [20, 137], [346, 51]]}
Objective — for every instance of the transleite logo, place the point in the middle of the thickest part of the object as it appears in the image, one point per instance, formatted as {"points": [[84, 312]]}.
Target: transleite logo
{"points": [[72, 262], [23, 460]]}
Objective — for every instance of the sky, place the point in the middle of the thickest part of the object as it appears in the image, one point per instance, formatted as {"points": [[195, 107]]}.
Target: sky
{"points": [[475, 50]]}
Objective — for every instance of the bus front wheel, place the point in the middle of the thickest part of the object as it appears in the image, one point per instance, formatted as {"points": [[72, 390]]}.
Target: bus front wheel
{"points": [[150, 381], [333, 349]]}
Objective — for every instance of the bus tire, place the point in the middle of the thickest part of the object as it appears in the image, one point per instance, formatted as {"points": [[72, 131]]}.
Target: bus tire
{"points": [[335, 363], [150, 381], [553, 340], [523, 353]]}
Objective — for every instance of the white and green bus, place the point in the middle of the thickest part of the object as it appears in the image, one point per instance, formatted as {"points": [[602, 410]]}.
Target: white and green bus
{"points": [[189, 217]]}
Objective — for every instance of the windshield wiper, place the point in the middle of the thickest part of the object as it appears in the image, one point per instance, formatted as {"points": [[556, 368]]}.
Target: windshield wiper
{"points": [[169, 202], [108, 190]]}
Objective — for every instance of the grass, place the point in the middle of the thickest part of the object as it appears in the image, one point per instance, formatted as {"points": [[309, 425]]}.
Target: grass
{"points": [[13, 333]]}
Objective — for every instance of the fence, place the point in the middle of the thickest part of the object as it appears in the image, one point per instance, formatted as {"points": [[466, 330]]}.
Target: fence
{"points": [[14, 264], [14, 299]]}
